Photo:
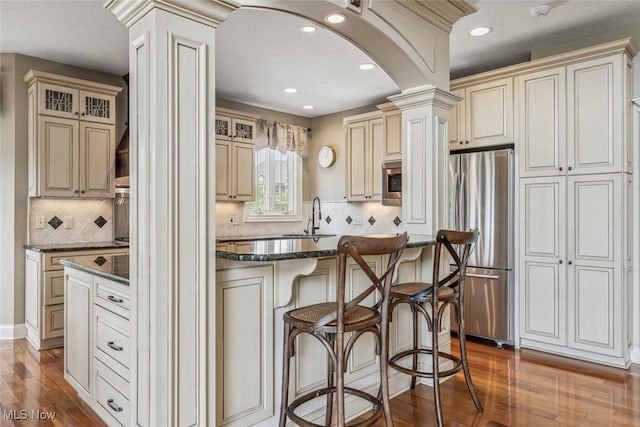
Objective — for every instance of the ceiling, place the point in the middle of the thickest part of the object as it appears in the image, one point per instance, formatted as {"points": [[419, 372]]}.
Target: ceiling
{"points": [[259, 53]]}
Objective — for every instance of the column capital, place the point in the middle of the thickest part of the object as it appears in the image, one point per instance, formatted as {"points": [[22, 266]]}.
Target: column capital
{"points": [[424, 96], [207, 12]]}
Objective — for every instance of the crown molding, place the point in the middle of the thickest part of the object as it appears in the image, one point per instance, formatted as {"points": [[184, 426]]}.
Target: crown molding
{"points": [[207, 12], [42, 76], [442, 14], [425, 96]]}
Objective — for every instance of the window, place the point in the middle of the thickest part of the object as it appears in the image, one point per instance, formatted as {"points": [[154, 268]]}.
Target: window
{"points": [[278, 187]]}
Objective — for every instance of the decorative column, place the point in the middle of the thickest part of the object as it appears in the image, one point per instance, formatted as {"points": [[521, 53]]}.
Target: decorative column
{"points": [[172, 98], [425, 157]]}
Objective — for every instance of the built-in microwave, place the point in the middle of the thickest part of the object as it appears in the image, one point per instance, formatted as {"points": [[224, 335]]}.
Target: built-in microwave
{"points": [[392, 183]]}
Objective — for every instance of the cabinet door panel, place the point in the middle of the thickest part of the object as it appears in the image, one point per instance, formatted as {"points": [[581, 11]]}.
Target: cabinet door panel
{"points": [[97, 154], [53, 289], [223, 172], [97, 107], [543, 302], [53, 321], [543, 210], [376, 145], [244, 175], [489, 113], [244, 345], [393, 137], [541, 99], [593, 321], [594, 116], [594, 217], [58, 101], [456, 122], [79, 303], [357, 139], [31, 290], [58, 156]]}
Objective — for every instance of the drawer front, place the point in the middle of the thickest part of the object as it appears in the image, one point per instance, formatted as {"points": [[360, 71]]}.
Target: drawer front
{"points": [[111, 396], [112, 342], [113, 296], [53, 321], [53, 287], [52, 259]]}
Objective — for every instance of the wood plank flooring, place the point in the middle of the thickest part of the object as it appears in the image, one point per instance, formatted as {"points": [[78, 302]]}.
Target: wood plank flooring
{"points": [[517, 388]]}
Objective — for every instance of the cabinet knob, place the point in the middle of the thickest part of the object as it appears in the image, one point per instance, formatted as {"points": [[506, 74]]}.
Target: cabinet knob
{"points": [[569, 168], [461, 142], [466, 142], [570, 262], [560, 168], [75, 191], [560, 262], [82, 114], [82, 191], [76, 113]]}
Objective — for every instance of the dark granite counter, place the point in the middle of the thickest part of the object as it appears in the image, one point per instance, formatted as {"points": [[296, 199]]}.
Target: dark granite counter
{"points": [[114, 268], [63, 247], [279, 248]]}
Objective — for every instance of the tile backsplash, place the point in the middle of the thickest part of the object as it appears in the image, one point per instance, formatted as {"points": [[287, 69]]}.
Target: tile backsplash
{"points": [[337, 218], [92, 220]]}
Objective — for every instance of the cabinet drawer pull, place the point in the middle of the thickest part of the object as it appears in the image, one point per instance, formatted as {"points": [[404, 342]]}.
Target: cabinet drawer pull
{"points": [[114, 299], [113, 405], [560, 168], [570, 168], [112, 345]]}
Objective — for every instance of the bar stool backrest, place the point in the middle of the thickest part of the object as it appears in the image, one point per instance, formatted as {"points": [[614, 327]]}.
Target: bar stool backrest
{"points": [[459, 245], [357, 247]]}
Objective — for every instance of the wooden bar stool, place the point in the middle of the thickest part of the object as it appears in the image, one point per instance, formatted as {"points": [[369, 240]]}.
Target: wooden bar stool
{"points": [[328, 322], [432, 301]]}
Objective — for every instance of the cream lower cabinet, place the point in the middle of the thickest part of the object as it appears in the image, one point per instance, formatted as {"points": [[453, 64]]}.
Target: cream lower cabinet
{"points": [[364, 157], [234, 171], [98, 345], [244, 345], [44, 294], [574, 295]]}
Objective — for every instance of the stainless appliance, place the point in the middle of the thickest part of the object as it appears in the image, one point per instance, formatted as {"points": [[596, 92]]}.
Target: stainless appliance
{"points": [[392, 183], [481, 196], [121, 214]]}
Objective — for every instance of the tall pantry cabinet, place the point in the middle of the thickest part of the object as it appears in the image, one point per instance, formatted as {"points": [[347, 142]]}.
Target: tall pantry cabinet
{"points": [[575, 206]]}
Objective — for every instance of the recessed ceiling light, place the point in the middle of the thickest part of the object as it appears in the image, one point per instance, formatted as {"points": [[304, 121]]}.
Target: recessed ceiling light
{"points": [[291, 90], [480, 31], [308, 107], [335, 18], [367, 66], [308, 29]]}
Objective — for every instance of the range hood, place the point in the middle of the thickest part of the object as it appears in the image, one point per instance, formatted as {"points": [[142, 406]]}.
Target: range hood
{"points": [[122, 151]]}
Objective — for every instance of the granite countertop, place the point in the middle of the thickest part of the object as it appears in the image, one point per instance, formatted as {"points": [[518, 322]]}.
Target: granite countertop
{"points": [[114, 268], [62, 247], [280, 248]]}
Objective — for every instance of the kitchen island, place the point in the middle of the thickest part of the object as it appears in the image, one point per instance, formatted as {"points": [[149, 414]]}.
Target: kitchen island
{"points": [[257, 280]]}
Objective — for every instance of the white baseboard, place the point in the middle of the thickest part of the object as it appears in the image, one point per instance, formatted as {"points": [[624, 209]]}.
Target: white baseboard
{"points": [[635, 354], [13, 332]]}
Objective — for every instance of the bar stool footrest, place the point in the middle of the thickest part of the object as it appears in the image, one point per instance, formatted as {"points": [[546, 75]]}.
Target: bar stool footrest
{"points": [[393, 362], [379, 411]]}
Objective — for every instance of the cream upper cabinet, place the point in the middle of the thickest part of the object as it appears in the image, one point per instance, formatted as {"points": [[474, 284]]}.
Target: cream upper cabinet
{"points": [[542, 123], [235, 172], [364, 143], [485, 117], [595, 91], [392, 141], [71, 136]]}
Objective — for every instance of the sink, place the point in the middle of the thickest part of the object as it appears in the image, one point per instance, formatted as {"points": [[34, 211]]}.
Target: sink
{"points": [[306, 236]]}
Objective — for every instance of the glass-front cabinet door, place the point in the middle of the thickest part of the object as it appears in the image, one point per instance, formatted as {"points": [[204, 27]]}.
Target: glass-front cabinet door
{"points": [[97, 107], [244, 130], [58, 101], [223, 127]]}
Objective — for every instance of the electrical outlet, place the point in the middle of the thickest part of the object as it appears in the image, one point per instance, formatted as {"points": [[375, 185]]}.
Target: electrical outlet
{"points": [[235, 220], [68, 222], [357, 220], [40, 222]]}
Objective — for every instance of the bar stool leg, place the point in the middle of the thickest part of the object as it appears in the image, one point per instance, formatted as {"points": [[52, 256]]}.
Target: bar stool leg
{"points": [[436, 364], [465, 363], [330, 373], [339, 349], [414, 312], [384, 371], [286, 360]]}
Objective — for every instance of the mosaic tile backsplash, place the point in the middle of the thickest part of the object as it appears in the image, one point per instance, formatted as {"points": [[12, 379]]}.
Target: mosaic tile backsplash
{"points": [[92, 220], [337, 218]]}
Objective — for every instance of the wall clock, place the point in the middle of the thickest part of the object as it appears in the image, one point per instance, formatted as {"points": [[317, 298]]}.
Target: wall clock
{"points": [[326, 156]]}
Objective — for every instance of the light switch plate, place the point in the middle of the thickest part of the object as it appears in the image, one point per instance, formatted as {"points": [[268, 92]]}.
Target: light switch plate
{"points": [[235, 219], [68, 222], [40, 222]]}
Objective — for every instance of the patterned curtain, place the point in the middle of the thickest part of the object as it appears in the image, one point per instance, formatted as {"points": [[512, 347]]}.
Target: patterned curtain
{"points": [[282, 137]]}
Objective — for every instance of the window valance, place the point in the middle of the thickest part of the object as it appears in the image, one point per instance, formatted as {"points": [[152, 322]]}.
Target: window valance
{"points": [[282, 137]]}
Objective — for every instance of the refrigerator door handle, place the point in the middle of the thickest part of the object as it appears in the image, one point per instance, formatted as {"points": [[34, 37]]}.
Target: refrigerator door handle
{"points": [[483, 276], [462, 194], [456, 197]]}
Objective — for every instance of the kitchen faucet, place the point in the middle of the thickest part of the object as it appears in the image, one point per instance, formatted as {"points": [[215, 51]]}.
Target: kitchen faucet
{"points": [[315, 227]]}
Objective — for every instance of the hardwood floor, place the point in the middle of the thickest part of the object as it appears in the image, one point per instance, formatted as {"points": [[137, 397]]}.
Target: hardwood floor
{"points": [[32, 381], [517, 388]]}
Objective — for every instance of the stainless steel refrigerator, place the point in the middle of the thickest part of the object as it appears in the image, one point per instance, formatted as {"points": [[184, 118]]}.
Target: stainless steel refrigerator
{"points": [[481, 196]]}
